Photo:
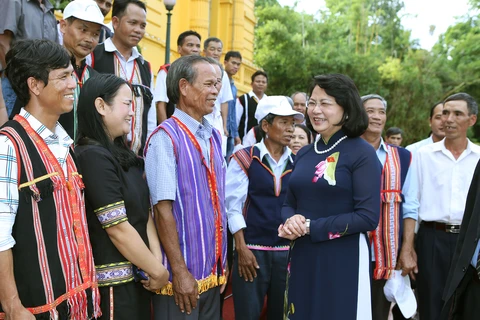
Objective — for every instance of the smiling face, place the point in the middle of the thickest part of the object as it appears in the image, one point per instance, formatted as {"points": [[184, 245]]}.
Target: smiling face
{"points": [[299, 140], [198, 97], [377, 116], [130, 28], [80, 37], [117, 116], [324, 112], [214, 50], [280, 131], [57, 96], [456, 119]]}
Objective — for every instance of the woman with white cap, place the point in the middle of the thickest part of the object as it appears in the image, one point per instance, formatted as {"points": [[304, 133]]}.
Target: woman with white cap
{"points": [[257, 180]]}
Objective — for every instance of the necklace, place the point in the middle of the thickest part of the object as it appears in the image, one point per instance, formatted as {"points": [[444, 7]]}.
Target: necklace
{"points": [[329, 149]]}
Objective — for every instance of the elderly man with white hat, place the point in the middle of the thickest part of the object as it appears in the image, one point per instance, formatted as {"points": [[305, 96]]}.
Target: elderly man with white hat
{"points": [[257, 180], [81, 26]]}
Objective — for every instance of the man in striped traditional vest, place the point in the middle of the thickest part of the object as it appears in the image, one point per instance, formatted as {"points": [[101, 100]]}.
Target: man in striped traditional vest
{"points": [[46, 262], [393, 240], [186, 176]]}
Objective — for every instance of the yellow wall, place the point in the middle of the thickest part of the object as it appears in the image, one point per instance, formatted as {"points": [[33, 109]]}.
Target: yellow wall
{"points": [[232, 21]]}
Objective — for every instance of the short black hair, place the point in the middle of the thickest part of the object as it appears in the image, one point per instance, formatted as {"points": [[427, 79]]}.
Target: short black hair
{"points": [[232, 54], [183, 35], [259, 73], [91, 128], [33, 58], [119, 7], [211, 39], [432, 109], [471, 103], [393, 131], [355, 119]]}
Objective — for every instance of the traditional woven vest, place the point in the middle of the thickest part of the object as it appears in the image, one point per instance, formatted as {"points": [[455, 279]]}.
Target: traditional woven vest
{"points": [[53, 263], [249, 108], [104, 62], [263, 206], [199, 208], [387, 236]]}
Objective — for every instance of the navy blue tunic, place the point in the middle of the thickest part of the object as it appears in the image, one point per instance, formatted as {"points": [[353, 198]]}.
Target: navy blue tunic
{"points": [[329, 270]]}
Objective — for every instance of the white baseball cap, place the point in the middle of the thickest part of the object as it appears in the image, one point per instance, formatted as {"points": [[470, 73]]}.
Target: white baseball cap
{"points": [[397, 289], [86, 10], [277, 105]]}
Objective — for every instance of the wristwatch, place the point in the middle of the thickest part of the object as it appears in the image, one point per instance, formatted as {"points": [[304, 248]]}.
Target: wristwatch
{"points": [[307, 225]]}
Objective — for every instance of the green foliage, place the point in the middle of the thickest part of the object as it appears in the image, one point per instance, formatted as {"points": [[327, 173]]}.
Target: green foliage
{"points": [[365, 40]]}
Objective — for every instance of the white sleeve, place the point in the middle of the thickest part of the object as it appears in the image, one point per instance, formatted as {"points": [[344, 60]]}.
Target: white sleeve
{"points": [[160, 92], [8, 192], [236, 189], [249, 139], [225, 93]]}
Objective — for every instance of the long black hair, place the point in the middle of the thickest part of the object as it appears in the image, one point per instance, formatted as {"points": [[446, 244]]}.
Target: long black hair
{"points": [[91, 129]]}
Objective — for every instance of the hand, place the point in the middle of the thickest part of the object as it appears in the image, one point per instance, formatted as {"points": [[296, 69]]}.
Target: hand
{"points": [[247, 264], [237, 140], [295, 225], [154, 284], [227, 273], [408, 261], [225, 131], [19, 313], [283, 234], [185, 291]]}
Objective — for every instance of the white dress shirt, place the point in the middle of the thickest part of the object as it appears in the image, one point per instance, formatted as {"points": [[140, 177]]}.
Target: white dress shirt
{"points": [[417, 145], [236, 185], [443, 181]]}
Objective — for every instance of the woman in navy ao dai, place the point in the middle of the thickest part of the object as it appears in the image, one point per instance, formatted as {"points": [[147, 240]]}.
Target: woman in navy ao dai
{"points": [[333, 200]]}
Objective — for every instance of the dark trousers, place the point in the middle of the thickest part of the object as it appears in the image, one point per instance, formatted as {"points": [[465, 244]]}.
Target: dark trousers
{"points": [[435, 250], [229, 265], [249, 297], [208, 307], [466, 305]]}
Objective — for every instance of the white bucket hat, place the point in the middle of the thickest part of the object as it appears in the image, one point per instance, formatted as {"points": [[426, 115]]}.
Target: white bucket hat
{"points": [[277, 105]]}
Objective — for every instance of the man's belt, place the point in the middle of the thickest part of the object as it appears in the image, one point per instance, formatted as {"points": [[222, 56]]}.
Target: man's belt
{"points": [[449, 228]]}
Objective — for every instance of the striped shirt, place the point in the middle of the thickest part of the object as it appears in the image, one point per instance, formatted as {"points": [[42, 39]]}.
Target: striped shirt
{"points": [[59, 143]]}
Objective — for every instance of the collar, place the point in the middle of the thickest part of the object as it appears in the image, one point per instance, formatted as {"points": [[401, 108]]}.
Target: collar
{"points": [[60, 136], [203, 129], [287, 153], [383, 145], [252, 94], [471, 147], [110, 47]]}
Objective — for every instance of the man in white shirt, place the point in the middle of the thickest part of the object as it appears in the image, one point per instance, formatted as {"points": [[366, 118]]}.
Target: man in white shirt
{"points": [[213, 48], [436, 126], [444, 171], [119, 55], [188, 43]]}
